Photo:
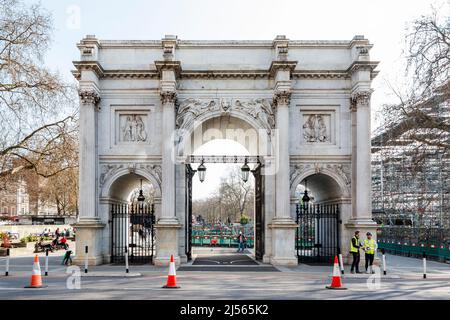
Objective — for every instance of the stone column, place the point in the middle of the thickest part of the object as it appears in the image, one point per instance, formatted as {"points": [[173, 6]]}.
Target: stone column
{"points": [[361, 102], [88, 225], [167, 240], [362, 72], [282, 225]]}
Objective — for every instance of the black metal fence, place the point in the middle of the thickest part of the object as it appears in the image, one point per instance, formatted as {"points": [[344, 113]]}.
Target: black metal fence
{"points": [[413, 242], [317, 237], [132, 231]]}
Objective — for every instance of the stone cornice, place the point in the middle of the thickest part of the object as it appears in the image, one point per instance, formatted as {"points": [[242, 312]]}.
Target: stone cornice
{"points": [[217, 74], [225, 74], [168, 65], [88, 65], [320, 74], [364, 66], [281, 65], [105, 44]]}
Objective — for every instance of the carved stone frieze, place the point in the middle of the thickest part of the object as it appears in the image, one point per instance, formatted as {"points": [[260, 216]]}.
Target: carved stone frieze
{"points": [[108, 170], [190, 110], [343, 170]]}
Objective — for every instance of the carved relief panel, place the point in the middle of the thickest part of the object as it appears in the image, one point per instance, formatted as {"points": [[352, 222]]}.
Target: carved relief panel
{"points": [[133, 126], [318, 126]]}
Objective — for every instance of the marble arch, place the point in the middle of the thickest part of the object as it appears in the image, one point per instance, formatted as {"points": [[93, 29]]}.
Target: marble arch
{"points": [[313, 96]]}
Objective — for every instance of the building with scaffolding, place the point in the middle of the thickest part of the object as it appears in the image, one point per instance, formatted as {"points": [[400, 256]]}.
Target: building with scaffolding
{"points": [[411, 191]]}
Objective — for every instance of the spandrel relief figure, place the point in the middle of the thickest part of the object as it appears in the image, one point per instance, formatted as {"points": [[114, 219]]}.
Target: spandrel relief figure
{"points": [[315, 129]]}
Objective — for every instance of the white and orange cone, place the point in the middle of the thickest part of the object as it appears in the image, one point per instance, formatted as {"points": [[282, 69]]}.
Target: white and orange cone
{"points": [[36, 277], [172, 277], [336, 282]]}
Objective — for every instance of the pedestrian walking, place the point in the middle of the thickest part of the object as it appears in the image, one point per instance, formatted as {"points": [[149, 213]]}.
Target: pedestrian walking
{"points": [[67, 258], [355, 245], [369, 248], [241, 242]]}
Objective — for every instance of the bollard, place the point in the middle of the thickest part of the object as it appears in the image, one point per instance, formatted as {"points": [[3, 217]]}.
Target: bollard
{"points": [[7, 263], [424, 265], [384, 261], [341, 261], [86, 250], [46, 262], [127, 270]]}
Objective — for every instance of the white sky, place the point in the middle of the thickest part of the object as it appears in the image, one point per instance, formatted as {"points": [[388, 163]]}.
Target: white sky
{"points": [[383, 22]]}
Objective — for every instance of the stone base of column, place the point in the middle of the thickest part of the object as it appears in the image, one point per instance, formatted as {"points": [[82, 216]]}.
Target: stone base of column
{"points": [[89, 233], [364, 225], [283, 242], [167, 242]]}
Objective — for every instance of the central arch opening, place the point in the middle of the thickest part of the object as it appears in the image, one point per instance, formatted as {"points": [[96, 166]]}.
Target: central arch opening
{"points": [[224, 195]]}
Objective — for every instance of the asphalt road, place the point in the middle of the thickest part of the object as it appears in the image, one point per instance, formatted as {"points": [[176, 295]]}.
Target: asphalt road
{"points": [[304, 282]]}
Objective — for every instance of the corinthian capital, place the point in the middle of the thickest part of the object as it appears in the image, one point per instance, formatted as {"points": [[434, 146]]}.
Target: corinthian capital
{"points": [[360, 98], [282, 98], [89, 97], [168, 97]]}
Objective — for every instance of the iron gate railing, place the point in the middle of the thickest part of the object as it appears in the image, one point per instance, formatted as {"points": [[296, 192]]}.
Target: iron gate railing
{"points": [[317, 237], [132, 228], [413, 242]]}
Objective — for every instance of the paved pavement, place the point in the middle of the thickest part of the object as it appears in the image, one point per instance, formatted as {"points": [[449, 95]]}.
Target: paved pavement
{"points": [[404, 281]]}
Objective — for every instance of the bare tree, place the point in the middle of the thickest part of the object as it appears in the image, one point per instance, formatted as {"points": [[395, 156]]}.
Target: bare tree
{"points": [[37, 109], [232, 199], [422, 113]]}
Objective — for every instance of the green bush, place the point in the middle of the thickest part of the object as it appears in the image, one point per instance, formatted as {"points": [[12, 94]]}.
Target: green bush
{"points": [[244, 219], [31, 238]]}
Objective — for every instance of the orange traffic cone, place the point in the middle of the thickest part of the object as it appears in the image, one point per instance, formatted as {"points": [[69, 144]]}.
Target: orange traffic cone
{"points": [[36, 279], [336, 281], [172, 278]]}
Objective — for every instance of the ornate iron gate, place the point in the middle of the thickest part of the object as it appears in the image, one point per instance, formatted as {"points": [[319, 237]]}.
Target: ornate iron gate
{"points": [[259, 213], [132, 230], [317, 238]]}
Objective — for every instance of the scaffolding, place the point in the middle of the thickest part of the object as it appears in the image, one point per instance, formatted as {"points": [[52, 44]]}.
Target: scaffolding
{"points": [[410, 187]]}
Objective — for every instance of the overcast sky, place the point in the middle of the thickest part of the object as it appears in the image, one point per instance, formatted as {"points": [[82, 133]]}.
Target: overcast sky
{"points": [[383, 22]]}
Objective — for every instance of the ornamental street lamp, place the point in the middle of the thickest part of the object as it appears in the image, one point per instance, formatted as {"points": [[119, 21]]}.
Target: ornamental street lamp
{"points": [[141, 197], [245, 170], [306, 198], [201, 171]]}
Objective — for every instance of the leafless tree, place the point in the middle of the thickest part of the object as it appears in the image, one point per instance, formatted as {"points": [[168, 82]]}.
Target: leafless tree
{"points": [[232, 199], [422, 112], [37, 109]]}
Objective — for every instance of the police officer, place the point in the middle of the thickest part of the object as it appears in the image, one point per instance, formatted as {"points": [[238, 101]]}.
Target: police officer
{"points": [[369, 248], [355, 244]]}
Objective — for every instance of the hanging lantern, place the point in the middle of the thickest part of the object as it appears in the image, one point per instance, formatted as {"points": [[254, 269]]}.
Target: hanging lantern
{"points": [[141, 197], [245, 170], [306, 198], [201, 171]]}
